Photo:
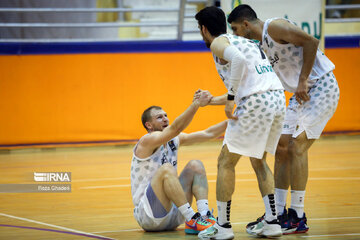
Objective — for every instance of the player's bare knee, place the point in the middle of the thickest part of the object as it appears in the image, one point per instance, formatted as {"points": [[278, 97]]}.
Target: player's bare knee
{"points": [[196, 166], [167, 170], [298, 146], [296, 149], [226, 159]]}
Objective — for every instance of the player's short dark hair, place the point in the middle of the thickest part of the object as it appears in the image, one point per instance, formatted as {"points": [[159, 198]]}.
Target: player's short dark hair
{"points": [[213, 18], [241, 13], [146, 116]]}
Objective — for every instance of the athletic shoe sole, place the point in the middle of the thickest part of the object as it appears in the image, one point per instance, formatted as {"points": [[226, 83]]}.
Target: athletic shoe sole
{"points": [[295, 232], [191, 231]]}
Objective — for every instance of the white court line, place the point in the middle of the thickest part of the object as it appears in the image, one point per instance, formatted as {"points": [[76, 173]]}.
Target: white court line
{"points": [[333, 169], [243, 223], [239, 223], [237, 180], [332, 235], [310, 179], [335, 178], [54, 226]]}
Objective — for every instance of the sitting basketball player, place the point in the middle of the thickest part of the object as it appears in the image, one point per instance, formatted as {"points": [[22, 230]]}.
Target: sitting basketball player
{"points": [[162, 199]]}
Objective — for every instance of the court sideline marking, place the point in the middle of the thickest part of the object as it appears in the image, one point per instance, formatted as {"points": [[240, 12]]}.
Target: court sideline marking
{"points": [[55, 226]]}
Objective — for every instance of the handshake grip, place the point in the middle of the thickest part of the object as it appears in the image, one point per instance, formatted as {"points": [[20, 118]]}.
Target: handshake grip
{"points": [[202, 97]]}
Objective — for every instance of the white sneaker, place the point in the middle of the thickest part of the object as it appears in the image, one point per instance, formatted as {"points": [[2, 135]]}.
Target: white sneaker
{"points": [[265, 229], [217, 232]]}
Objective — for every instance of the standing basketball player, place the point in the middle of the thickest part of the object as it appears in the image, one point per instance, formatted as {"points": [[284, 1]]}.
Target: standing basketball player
{"points": [[255, 126], [305, 71], [161, 198]]}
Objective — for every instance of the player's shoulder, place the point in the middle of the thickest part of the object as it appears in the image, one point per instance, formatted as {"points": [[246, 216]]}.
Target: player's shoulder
{"points": [[145, 146], [147, 138], [279, 24], [279, 28], [220, 41], [218, 45]]}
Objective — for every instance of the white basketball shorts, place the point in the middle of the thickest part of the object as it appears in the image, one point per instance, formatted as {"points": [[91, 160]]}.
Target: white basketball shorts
{"points": [[313, 115], [259, 124], [144, 214]]}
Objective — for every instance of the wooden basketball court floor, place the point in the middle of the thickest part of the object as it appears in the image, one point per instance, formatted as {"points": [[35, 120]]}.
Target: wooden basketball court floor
{"points": [[100, 204]]}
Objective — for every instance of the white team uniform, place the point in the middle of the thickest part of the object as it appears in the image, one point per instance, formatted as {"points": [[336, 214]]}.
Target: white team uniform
{"points": [[287, 61], [142, 171], [260, 102]]}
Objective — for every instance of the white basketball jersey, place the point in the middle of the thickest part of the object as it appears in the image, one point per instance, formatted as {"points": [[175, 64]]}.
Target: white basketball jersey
{"points": [[287, 61], [258, 75], [142, 170]]}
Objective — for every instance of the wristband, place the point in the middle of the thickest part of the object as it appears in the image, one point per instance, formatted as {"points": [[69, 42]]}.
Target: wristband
{"points": [[230, 97]]}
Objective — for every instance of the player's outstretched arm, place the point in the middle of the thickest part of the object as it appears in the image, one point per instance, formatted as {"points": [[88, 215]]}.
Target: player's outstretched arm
{"points": [[150, 142], [201, 136], [284, 32], [219, 100], [222, 49]]}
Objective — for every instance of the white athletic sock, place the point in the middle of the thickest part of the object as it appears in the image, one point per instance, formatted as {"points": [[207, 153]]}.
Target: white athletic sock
{"points": [[202, 206], [297, 202], [223, 212], [280, 199], [187, 211], [270, 209]]}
